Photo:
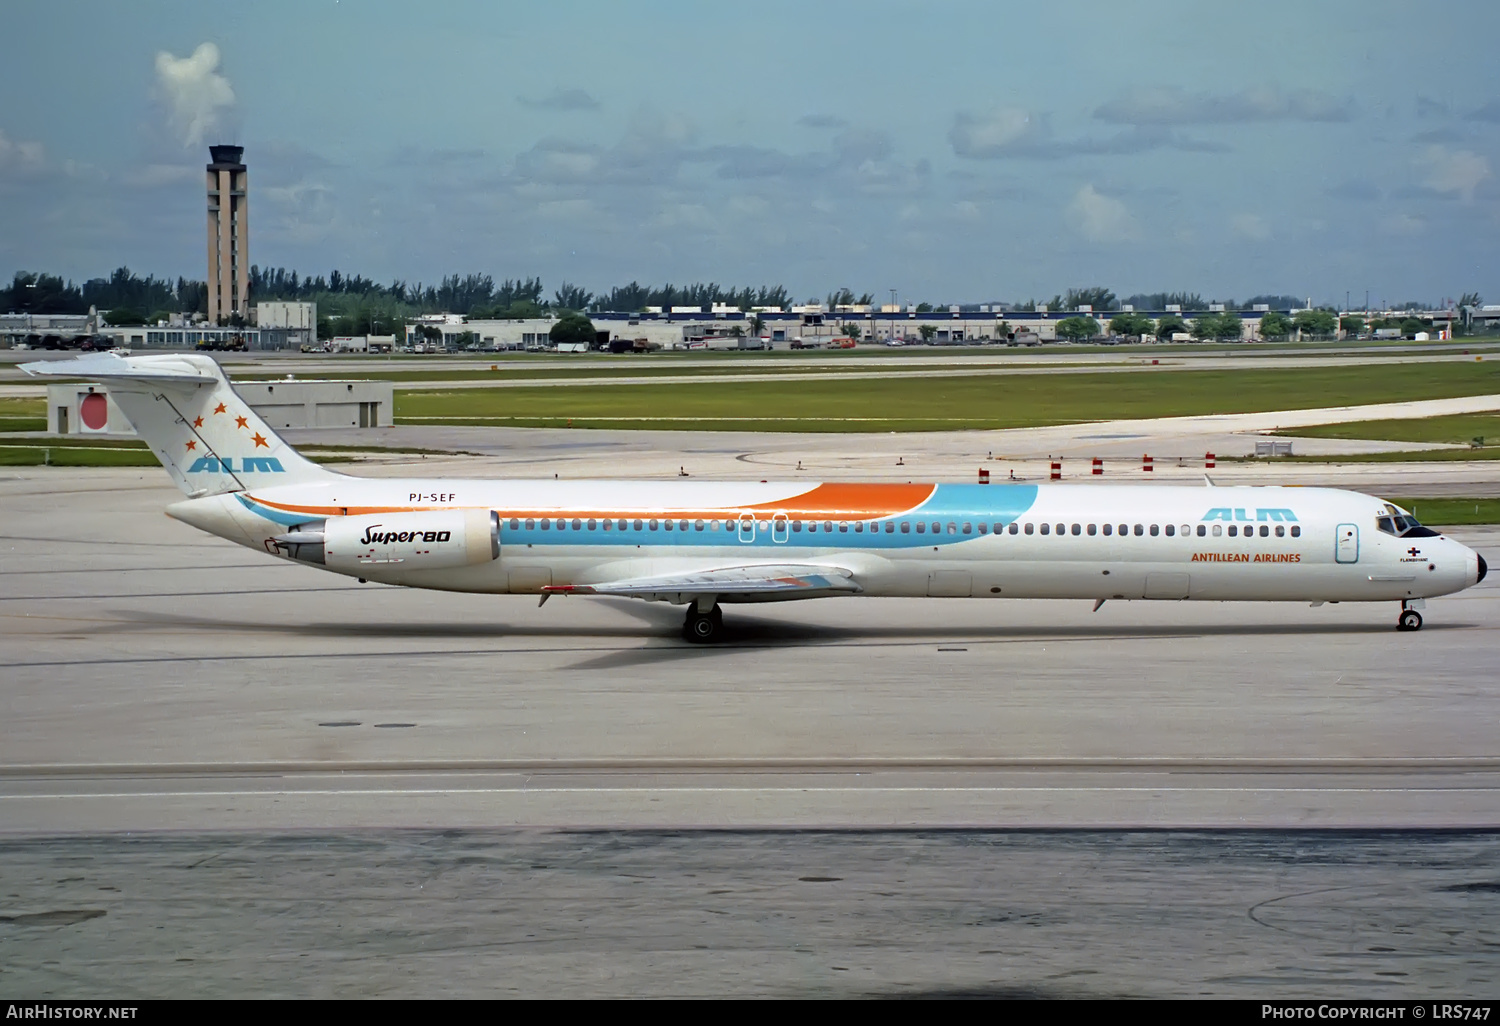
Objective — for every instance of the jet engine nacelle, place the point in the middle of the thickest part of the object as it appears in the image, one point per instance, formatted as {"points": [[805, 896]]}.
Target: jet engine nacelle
{"points": [[436, 539]]}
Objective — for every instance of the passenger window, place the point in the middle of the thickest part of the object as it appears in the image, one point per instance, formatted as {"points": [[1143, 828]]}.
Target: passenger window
{"points": [[796, 526], [937, 528], [1078, 529], [921, 527], [667, 525], [1046, 528], [682, 525], [1029, 527], [1187, 529], [952, 527], [1280, 531], [1139, 530], [828, 527], [530, 525], [1109, 529], [638, 525], [1012, 529], [1233, 531], [1296, 531], [1155, 530], [577, 524], [1092, 529], [983, 528], [546, 525], [859, 527], [515, 525], [890, 527], [1171, 530], [1125, 529], [622, 524], [593, 524], [652, 525], [1265, 532], [698, 525], [906, 527], [843, 527], [1062, 528], [1218, 530], [1202, 530], [968, 527]]}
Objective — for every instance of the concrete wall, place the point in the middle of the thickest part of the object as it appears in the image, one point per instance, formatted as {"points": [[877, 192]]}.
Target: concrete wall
{"points": [[281, 404]]}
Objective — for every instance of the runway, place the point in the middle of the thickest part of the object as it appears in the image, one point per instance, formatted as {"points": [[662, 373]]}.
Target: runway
{"points": [[160, 679]]}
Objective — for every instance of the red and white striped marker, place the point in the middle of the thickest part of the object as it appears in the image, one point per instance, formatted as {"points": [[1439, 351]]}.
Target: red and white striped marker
{"points": [[1208, 461], [1098, 467], [984, 475], [1146, 464], [1056, 470]]}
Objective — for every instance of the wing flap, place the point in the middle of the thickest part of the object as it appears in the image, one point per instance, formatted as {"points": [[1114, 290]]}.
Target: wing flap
{"points": [[780, 581]]}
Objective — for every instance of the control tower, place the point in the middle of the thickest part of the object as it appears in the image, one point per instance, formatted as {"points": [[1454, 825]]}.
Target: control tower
{"points": [[228, 235]]}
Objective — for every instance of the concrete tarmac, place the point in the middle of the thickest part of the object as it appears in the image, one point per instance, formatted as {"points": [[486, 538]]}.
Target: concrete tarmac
{"points": [[223, 775], [156, 678], [1303, 916]]}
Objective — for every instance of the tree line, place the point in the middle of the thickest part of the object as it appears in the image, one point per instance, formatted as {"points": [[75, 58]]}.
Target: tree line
{"points": [[123, 291]]}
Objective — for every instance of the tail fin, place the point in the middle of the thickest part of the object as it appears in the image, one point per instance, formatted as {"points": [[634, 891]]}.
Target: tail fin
{"points": [[183, 407]]}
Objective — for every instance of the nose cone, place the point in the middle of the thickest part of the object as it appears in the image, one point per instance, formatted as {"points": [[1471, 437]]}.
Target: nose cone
{"points": [[1484, 568]]}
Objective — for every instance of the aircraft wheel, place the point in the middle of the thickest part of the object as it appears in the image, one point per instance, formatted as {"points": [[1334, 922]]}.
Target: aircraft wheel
{"points": [[1410, 620], [703, 629]]}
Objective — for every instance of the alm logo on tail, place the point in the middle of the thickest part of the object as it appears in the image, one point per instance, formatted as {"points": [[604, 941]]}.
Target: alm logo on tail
{"points": [[225, 465]]}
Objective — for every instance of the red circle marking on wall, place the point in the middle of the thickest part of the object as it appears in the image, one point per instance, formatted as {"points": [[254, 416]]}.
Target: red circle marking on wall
{"points": [[94, 411]]}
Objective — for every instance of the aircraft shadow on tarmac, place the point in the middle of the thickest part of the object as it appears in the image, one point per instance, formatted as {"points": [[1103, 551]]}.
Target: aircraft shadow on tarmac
{"points": [[741, 628]]}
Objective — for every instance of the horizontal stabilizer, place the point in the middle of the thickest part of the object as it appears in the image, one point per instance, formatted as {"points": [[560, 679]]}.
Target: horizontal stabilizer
{"points": [[110, 367], [728, 583]]}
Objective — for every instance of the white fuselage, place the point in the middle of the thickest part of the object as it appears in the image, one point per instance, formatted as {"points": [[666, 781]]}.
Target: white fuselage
{"points": [[995, 541]]}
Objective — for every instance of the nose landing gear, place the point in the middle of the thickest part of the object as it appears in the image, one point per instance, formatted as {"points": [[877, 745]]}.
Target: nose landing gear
{"points": [[1409, 620], [703, 628]]}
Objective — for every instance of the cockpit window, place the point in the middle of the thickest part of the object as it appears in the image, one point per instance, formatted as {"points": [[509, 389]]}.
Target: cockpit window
{"points": [[1402, 524]]}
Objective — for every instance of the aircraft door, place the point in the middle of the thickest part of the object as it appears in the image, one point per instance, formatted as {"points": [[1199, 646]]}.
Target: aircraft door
{"points": [[747, 528], [1346, 548], [780, 529]]}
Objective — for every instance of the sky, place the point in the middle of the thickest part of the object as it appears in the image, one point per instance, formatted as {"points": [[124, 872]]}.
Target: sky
{"points": [[951, 151]]}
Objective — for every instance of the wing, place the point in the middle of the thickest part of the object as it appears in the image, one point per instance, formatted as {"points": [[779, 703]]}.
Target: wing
{"points": [[727, 584]]}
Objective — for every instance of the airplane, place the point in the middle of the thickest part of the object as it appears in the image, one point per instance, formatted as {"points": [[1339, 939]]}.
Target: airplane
{"points": [[702, 544]]}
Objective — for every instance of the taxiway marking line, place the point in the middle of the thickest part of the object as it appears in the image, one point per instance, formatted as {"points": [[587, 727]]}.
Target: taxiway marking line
{"points": [[393, 792]]}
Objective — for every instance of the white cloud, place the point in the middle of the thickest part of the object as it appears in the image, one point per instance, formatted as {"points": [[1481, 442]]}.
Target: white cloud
{"points": [[1101, 218], [1169, 105], [565, 209], [154, 175], [1454, 171], [694, 216], [194, 90], [562, 99], [1403, 224], [21, 156], [993, 133], [1250, 226]]}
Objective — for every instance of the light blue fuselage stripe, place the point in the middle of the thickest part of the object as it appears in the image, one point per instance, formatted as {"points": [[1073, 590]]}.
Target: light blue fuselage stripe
{"points": [[949, 506]]}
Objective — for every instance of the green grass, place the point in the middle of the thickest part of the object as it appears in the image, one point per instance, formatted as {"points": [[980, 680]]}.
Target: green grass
{"points": [[23, 415], [1450, 511], [1404, 456], [124, 452], [918, 403], [75, 456], [1458, 429]]}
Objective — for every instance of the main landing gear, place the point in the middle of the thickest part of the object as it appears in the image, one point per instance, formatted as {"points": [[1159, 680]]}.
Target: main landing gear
{"points": [[703, 628], [1410, 619]]}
